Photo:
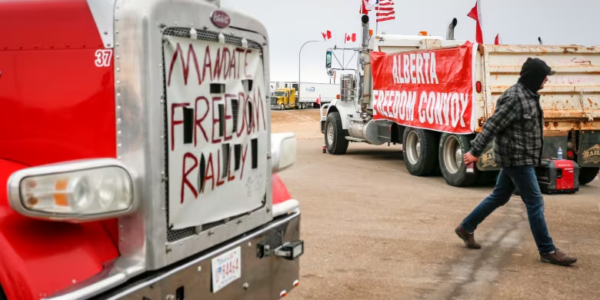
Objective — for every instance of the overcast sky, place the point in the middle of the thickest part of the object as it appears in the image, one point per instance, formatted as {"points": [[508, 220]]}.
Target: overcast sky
{"points": [[290, 23]]}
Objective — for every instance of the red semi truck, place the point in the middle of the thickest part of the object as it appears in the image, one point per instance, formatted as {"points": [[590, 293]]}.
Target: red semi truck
{"points": [[136, 154]]}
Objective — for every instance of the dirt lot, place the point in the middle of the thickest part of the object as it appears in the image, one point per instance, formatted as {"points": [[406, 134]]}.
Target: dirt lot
{"points": [[373, 231], [305, 123]]}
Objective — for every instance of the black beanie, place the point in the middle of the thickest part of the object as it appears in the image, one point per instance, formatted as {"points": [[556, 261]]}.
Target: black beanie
{"points": [[533, 73]]}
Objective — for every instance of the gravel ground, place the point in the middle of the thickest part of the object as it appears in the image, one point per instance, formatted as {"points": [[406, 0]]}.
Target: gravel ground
{"points": [[373, 231]]}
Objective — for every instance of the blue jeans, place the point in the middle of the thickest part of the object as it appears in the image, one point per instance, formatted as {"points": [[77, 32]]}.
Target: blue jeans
{"points": [[526, 182]]}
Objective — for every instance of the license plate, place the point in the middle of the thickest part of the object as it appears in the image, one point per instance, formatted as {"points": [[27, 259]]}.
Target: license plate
{"points": [[226, 268]]}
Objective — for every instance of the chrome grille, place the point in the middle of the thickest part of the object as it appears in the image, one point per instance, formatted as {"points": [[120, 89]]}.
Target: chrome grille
{"points": [[209, 36], [175, 235]]}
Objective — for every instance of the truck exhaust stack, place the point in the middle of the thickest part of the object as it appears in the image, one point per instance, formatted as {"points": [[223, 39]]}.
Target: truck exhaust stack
{"points": [[365, 27], [450, 34]]}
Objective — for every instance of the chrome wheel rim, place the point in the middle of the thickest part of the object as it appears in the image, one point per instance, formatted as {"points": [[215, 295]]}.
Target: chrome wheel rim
{"points": [[452, 155], [330, 134], [413, 147]]}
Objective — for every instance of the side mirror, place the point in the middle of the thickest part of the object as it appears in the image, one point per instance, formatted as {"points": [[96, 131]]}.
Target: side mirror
{"points": [[328, 59], [283, 151]]}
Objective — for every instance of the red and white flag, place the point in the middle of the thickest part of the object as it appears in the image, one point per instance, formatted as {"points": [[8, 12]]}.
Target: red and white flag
{"points": [[385, 11], [349, 38], [497, 40], [475, 14], [326, 35], [367, 5], [319, 100]]}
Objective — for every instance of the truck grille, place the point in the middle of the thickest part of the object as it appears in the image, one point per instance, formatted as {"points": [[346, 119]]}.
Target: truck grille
{"points": [[273, 100], [209, 36], [174, 235]]}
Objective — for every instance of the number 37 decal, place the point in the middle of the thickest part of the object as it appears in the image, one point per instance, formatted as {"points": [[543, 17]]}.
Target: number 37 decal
{"points": [[103, 58]]}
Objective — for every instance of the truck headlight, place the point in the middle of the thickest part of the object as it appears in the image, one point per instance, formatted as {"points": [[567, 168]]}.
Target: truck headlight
{"points": [[78, 191]]}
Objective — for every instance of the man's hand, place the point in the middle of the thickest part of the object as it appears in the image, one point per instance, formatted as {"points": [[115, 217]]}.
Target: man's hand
{"points": [[469, 158]]}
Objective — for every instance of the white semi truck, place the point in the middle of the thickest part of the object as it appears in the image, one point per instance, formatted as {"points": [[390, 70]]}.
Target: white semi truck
{"points": [[433, 95]]}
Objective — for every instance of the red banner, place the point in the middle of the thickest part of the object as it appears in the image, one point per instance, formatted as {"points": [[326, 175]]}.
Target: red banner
{"points": [[431, 89]]}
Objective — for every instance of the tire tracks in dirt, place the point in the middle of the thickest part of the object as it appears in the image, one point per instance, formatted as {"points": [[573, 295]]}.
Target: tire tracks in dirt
{"points": [[473, 276]]}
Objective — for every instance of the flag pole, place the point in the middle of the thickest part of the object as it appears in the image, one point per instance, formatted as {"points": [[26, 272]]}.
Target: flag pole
{"points": [[376, 23]]}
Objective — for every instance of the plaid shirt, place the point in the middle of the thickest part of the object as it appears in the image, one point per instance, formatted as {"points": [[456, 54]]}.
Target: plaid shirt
{"points": [[516, 127]]}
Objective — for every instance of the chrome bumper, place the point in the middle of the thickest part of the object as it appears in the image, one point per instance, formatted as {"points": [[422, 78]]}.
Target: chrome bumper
{"points": [[264, 275]]}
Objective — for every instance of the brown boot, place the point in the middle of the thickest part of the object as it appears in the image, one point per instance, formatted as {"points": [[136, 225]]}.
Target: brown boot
{"points": [[467, 237], [557, 258]]}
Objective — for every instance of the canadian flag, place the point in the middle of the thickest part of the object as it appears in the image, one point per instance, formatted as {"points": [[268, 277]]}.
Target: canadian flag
{"points": [[367, 5], [326, 35], [349, 38], [475, 14]]}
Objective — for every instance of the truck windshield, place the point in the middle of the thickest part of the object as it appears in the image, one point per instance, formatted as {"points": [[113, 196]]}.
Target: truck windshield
{"points": [[280, 93]]}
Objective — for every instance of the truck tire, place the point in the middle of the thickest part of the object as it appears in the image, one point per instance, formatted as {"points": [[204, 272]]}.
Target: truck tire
{"points": [[335, 136], [452, 147], [419, 149], [587, 175]]}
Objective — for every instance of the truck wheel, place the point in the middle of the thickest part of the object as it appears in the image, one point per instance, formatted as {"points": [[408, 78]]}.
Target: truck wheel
{"points": [[335, 135], [282, 107], [419, 148], [586, 175], [454, 170]]}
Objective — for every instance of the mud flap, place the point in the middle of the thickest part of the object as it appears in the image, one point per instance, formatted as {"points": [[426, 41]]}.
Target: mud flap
{"points": [[487, 160], [589, 149]]}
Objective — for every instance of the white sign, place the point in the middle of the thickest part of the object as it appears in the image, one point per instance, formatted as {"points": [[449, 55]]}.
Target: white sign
{"points": [[217, 131], [226, 268]]}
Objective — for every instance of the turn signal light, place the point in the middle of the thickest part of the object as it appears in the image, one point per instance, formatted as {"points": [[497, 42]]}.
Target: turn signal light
{"points": [[74, 192]]}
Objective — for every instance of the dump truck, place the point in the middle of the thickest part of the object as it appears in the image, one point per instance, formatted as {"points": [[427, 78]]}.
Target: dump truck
{"points": [[136, 156], [433, 95]]}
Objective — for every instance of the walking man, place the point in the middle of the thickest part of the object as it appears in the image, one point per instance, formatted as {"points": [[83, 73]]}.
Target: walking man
{"points": [[517, 129]]}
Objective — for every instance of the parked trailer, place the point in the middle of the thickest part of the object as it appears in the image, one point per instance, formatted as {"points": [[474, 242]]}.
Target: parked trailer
{"points": [[313, 94], [433, 96]]}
